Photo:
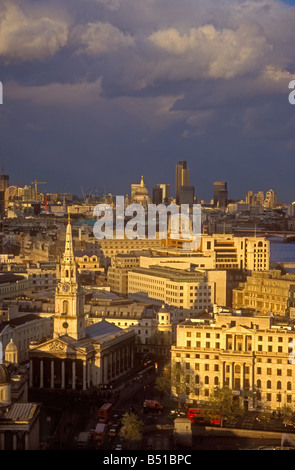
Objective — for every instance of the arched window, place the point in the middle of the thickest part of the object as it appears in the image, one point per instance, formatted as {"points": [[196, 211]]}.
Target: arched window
{"points": [[289, 386], [268, 384], [279, 385], [258, 383], [65, 306], [206, 380]]}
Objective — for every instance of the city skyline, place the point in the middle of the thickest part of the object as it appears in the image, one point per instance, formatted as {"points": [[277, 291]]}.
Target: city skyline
{"points": [[86, 195], [109, 92]]}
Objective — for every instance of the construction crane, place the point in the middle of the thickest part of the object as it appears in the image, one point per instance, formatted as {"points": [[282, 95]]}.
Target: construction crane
{"points": [[36, 187]]}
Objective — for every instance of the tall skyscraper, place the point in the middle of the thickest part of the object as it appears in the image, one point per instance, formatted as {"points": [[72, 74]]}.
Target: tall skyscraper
{"points": [[182, 178], [157, 195], [270, 199], [165, 192], [220, 194], [4, 183], [187, 195]]}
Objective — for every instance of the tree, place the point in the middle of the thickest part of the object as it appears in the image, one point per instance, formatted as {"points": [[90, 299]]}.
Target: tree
{"points": [[222, 401], [177, 379], [131, 428], [288, 413], [163, 382]]}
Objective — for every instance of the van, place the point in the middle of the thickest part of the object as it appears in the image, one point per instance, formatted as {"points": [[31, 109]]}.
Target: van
{"points": [[83, 440], [152, 405]]}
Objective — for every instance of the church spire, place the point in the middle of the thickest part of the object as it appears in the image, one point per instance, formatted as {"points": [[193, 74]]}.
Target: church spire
{"points": [[69, 317], [69, 252]]}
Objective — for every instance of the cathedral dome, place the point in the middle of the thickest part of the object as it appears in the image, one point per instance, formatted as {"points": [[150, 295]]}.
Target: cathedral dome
{"points": [[4, 375], [141, 190], [11, 347]]}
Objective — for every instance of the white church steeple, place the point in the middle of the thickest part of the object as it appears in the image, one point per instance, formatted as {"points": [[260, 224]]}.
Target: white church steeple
{"points": [[69, 314]]}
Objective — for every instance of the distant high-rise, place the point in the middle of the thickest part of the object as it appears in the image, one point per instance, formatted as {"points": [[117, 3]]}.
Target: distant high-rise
{"points": [[182, 178], [187, 195], [157, 195], [4, 183], [220, 194], [165, 191], [270, 199]]}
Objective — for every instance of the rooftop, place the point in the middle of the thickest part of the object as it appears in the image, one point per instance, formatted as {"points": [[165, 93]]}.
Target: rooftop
{"points": [[10, 277], [173, 274], [21, 412], [21, 320]]}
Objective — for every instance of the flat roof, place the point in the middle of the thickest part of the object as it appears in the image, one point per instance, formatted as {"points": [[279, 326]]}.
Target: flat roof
{"points": [[10, 277], [171, 273]]}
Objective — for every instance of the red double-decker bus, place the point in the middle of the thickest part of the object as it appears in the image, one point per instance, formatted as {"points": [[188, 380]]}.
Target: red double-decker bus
{"points": [[104, 412], [204, 416]]}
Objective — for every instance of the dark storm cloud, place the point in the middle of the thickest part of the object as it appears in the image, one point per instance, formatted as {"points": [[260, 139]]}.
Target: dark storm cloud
{"points": [[136, 86]]}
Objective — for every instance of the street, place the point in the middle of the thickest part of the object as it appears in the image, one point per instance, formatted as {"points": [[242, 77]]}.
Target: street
{"points": [[158, 428]]}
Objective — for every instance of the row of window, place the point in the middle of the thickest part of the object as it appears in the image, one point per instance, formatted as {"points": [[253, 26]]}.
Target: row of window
{"points": [[239, 347], [260, 338], [237, 369]]}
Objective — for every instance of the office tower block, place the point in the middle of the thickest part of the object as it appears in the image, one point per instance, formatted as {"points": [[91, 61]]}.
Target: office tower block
{"points": [[187, 195], [248, 197], [157, 195], [270, 199], [222, 199], [220, 194], [4, 183], [182, 178], [165, 192]]}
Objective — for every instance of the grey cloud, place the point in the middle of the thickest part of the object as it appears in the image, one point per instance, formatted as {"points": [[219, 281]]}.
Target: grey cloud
{"points": [[28, 35]]}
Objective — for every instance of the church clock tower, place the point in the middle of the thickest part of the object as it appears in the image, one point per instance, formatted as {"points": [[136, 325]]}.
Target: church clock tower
{"points": [[69, 302]]}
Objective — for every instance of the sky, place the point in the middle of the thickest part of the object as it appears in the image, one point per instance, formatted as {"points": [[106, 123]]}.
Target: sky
{"points": [[97, 93]]}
